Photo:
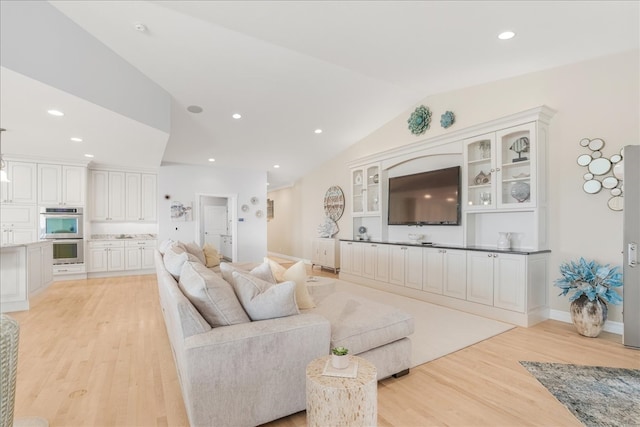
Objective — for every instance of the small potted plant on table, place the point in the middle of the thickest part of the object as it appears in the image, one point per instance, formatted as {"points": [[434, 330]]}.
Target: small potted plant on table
{"points": [[592, 286], [339, 357]]}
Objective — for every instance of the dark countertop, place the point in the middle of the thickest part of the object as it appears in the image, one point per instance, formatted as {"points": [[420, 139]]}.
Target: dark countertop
{"points": [[444, 246]]}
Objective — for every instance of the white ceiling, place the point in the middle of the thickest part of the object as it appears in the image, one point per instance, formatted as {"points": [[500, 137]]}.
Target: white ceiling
{"points": [[346, 67]]}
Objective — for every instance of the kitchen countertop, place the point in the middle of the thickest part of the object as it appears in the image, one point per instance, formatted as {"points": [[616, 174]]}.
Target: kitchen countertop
{"points": [[123, 237], [21, 245]]}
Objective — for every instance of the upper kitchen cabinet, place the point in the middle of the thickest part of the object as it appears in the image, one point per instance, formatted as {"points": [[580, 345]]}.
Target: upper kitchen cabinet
{"points": [[61, 185], [141, 199], [123, 196], [22, 187]]}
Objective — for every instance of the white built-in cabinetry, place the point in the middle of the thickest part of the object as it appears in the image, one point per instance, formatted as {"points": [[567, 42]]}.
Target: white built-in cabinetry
{"points": [[325, 253], [22, 186], [120, 255], [18, 223], [61, 185], [123, 196], [507, 286], [365, 190]]}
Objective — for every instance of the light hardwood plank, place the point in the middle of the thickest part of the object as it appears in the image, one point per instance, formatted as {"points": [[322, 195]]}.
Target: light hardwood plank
{"points": [[96, 353]]}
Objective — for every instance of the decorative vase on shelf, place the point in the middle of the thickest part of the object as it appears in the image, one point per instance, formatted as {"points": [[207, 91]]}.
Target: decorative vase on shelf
{"points": [[520, 191], [588, 316]]}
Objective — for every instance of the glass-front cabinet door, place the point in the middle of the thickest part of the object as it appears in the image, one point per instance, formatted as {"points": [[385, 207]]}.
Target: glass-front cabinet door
{"points": [[516, 166], [480, 152], [500, 169], [365, 190]]}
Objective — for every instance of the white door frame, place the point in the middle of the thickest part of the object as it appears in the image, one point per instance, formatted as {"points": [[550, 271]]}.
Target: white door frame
{"points": [[232, 203]]}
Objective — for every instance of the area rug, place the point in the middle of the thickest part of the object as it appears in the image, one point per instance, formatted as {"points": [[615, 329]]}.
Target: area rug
{"points": [[438, 330], [596, 395]]}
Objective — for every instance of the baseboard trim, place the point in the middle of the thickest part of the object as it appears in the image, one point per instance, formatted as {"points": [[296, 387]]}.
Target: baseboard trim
{"points": [[565, 316]]}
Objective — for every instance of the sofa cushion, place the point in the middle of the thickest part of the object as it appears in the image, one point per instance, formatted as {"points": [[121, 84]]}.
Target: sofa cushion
{"points": [[212, 296], [211, 255], [264, 300], [360, 324], [194, 249], [164, 245], [276, 269]]}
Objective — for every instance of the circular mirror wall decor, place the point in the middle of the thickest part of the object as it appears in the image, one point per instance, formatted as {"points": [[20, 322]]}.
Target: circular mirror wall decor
{"points": [[596, 154], [585, 142], [584, 160], [592, 186], [596, 144], [610, 182], [334, 203], [616, 158], [618, 170], [600, 166], [587, 176], [616, 203], [616, 191]]}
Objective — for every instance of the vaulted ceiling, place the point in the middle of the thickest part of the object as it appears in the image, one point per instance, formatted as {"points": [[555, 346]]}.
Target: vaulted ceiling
{"points": [[291, 67]]}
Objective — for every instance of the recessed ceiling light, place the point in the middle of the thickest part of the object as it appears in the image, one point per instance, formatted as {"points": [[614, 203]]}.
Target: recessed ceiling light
{"points": [[276, 166], [194, 109], [236, 116], [88, 155], [427, 196], [76, 139], [56, 113], [212, 159], [140, 26], [318, 131], [506, 35]]}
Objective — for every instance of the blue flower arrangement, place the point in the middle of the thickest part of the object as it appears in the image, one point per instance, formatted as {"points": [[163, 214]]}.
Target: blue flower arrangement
{"points": [[447, 119], [590, 279]]}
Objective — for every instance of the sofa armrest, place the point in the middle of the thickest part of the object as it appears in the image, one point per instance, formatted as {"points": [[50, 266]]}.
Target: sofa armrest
{"points": [[251, 373]]}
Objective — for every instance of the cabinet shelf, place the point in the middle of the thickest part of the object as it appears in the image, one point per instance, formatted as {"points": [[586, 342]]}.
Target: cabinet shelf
{"points": [[480, 161], [522, 163]]}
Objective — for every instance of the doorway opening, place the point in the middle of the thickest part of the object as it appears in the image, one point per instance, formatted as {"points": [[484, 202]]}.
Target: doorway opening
{"points": [[216, 223]]}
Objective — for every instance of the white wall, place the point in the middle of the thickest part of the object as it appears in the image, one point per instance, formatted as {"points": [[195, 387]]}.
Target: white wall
{"points": [[181, 183], [596, 98]]}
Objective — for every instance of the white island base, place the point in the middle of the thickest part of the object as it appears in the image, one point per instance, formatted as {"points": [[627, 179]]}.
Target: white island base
{"points": [[24, 269]]}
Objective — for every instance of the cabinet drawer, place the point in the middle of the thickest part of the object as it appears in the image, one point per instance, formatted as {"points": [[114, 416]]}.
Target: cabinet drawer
{"points": [[106, 244], [140, 243]]}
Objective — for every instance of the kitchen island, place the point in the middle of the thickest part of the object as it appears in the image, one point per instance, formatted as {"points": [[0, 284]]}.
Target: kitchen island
{"points": [[25, 269]]}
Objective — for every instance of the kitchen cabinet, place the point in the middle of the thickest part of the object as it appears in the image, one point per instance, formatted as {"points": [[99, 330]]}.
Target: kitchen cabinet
{"points": [[351, 257], [141, 197], [365, 190], [325, 253], [445, 272], [18, 224], [61, 185], [139, 254], [375, 261], [405, 266], [39, 266], [23, 185], [106, 255], [497, 279]]}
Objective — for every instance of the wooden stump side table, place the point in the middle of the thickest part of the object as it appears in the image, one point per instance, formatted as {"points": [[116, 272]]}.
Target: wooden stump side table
{"points": [[340, 401]]}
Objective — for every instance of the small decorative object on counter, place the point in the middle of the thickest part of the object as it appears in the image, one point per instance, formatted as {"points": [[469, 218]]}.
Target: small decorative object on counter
{"points": [[419, 120], [447, 119], [504, 240], [592, 286], [328, 228], [362, 233], [339, 357]]}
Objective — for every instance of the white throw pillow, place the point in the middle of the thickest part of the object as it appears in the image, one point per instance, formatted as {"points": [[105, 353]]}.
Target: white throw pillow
{"points": [[212, 296], [263, 272], [164, 245], [263, 300], [174, 259], [298, 274], [276, 269]]}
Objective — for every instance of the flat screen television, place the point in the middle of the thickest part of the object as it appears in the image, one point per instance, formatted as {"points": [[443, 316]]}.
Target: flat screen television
{"points": [[426, 198]]}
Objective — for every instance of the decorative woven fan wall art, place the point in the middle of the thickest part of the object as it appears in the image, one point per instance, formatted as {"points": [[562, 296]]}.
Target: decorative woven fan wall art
{"points": [[334, 203]]}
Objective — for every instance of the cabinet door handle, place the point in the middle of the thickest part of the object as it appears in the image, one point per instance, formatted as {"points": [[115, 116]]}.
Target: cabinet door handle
{"points": [[489, 255]]}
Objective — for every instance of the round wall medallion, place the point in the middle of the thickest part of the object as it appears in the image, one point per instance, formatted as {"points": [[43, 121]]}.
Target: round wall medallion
{"points": [[254, 200], [334, 203], [419, 120]]}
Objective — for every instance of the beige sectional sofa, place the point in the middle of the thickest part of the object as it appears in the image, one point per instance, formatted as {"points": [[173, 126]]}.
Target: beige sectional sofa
{"points": [[238, 371]]}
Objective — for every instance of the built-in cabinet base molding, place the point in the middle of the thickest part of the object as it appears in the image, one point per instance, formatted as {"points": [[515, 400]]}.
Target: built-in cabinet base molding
{"points": [[565, 316], [519, 319]]}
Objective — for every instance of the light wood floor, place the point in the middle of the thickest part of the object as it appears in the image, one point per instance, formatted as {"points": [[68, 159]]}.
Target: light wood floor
{"points": [[95, 353]]}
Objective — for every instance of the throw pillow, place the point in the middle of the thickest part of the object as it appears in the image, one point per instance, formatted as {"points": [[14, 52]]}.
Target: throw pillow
{"points": [[263, 272], [276, 269], [298, 274], [211, 255], [196, 251], [164, 245], [264, 300], [213, 297], [174, 259]]}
